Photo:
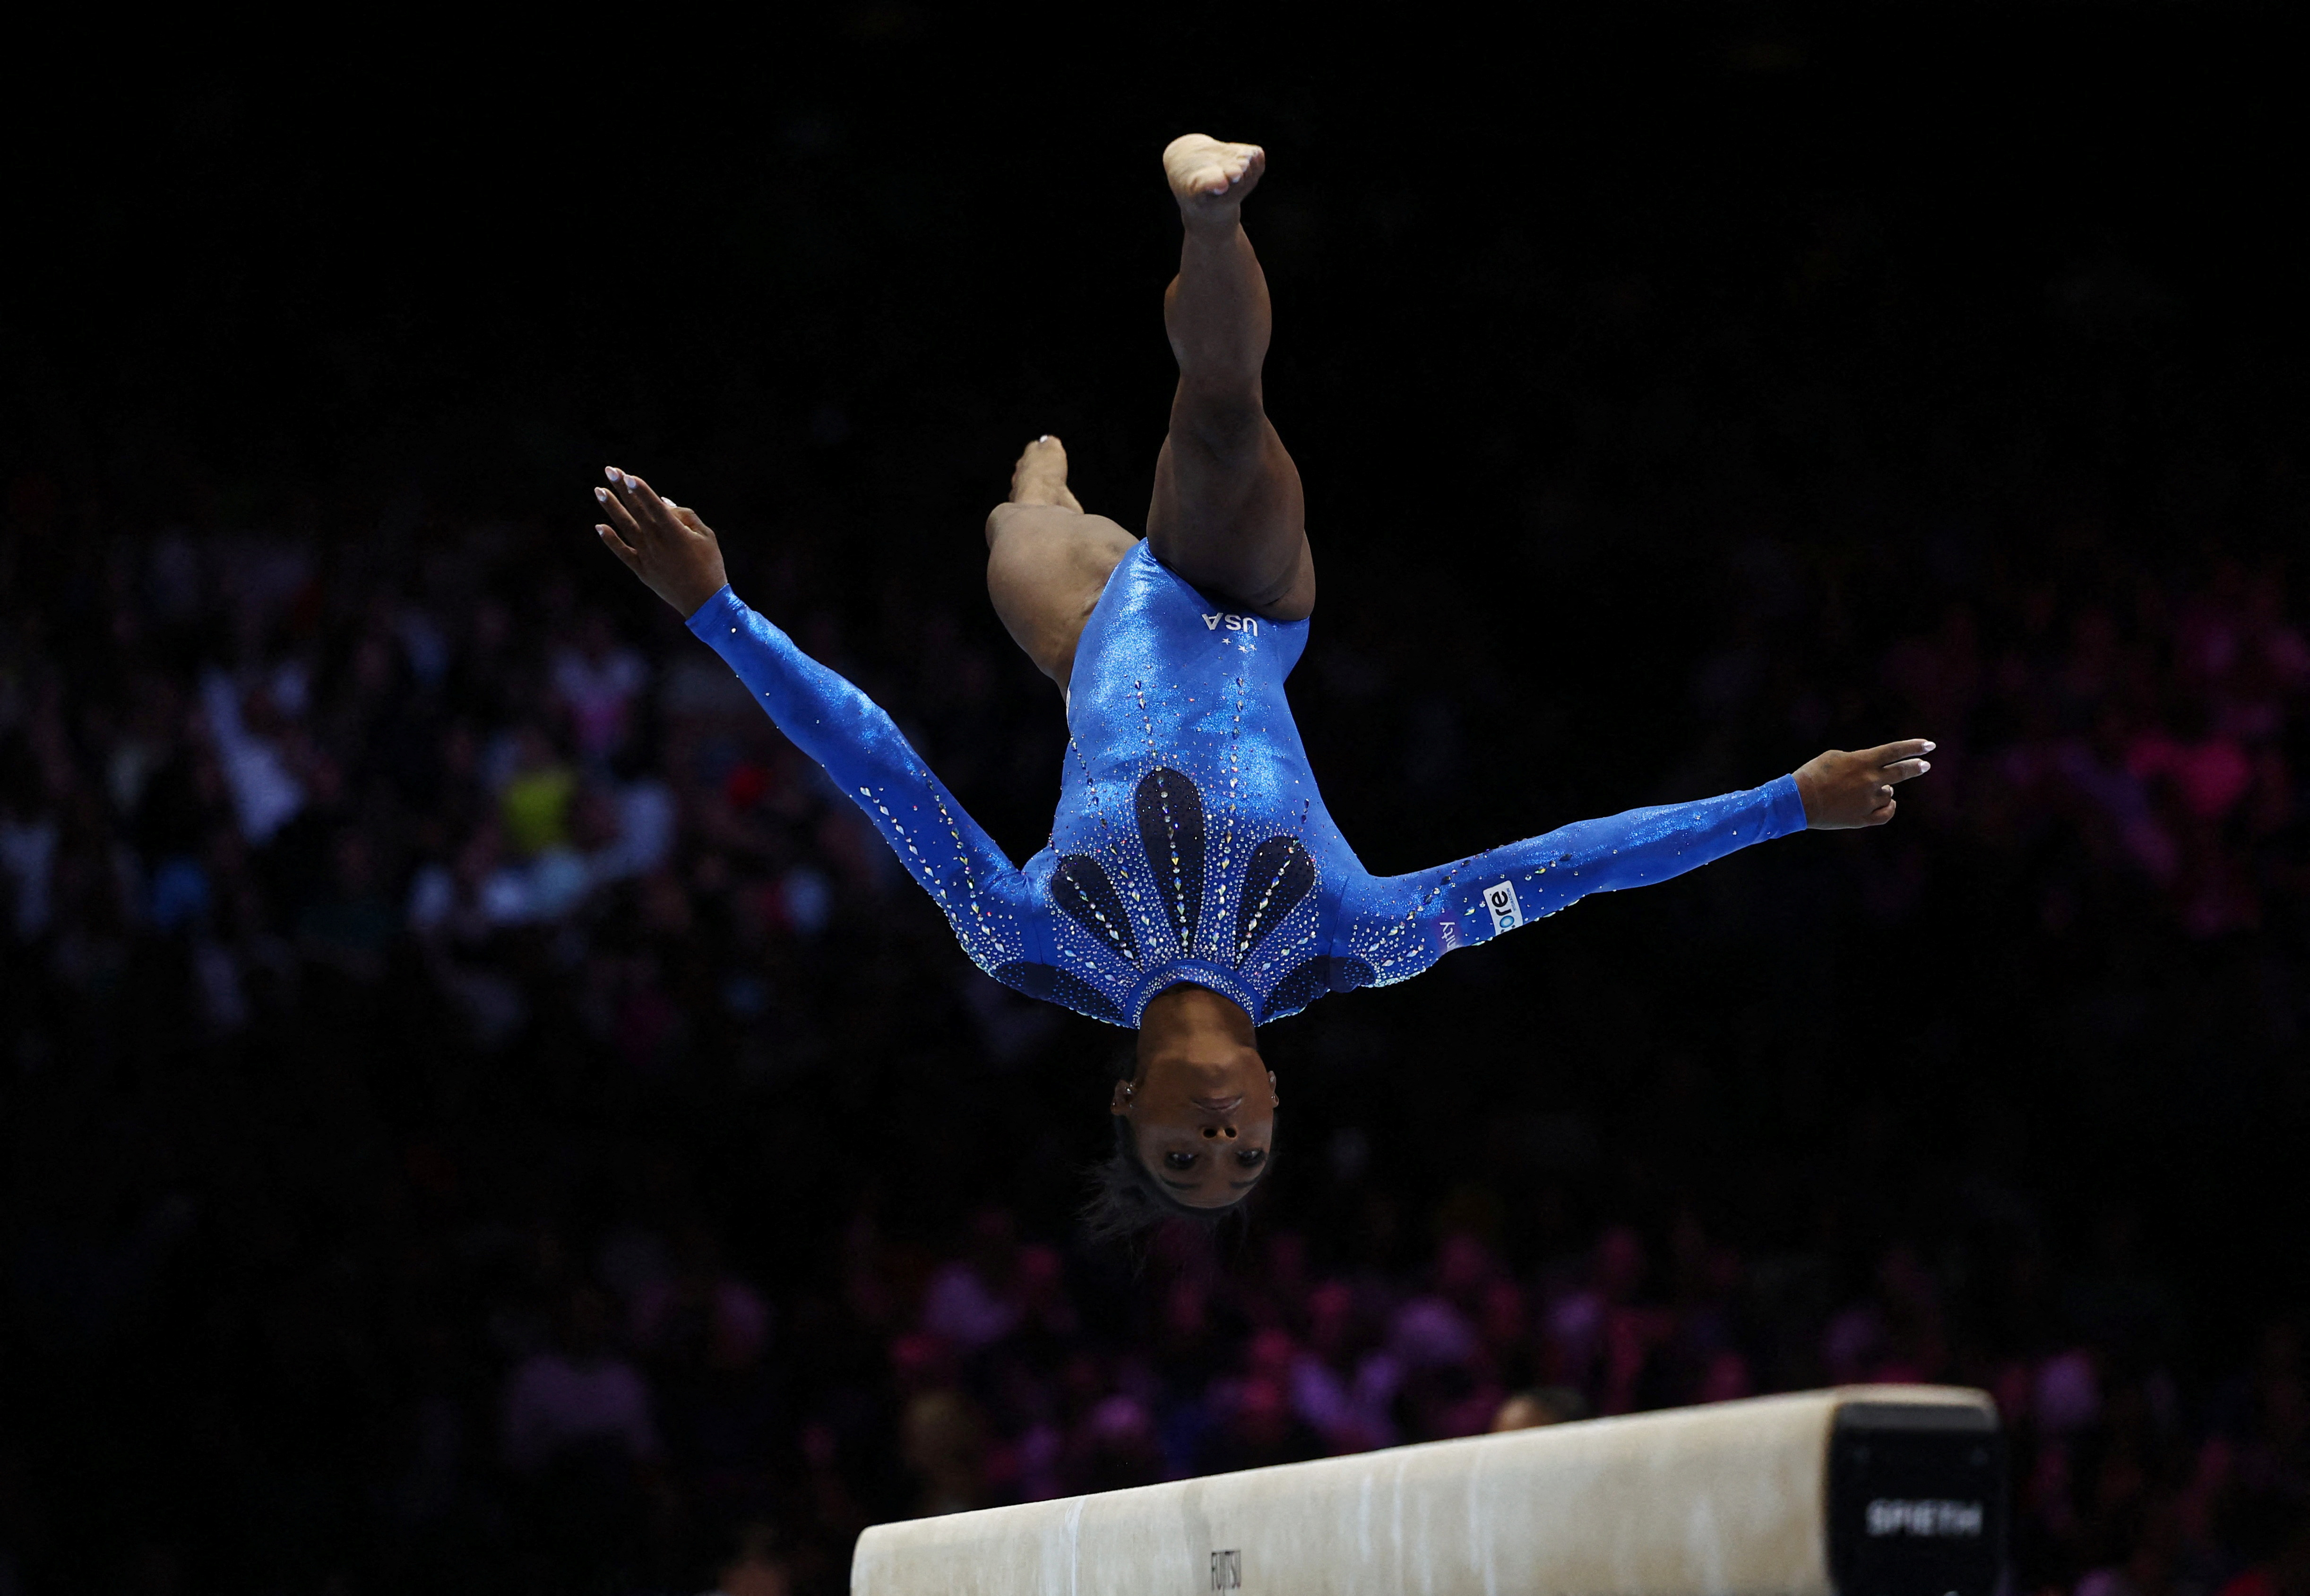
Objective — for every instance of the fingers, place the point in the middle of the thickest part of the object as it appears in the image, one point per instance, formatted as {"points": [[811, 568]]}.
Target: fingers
{"points": [[1905, 770], [1883, 812], [622, 517], [644, 506], [1894, 752], [652, 511], [635, 491], [619, 547], [641, 502]]}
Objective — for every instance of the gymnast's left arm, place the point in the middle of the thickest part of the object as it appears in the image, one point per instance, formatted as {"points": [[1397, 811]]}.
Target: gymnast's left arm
{"points": [[1400, 925]]}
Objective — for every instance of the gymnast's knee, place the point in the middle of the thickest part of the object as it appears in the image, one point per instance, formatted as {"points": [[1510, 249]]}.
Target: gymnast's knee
{"points": [[1001, 518]]}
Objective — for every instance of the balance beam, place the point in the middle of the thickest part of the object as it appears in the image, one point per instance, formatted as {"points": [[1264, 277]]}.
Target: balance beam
{"points": [[1866, 1491]]}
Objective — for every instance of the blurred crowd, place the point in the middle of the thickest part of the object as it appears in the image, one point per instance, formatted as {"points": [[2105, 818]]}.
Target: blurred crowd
{"points": [[2157, 725], [475, 1107]]}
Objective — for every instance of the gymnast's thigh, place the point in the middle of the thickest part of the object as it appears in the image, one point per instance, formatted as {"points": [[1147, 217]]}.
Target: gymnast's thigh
{"points": [[1046, 568]]}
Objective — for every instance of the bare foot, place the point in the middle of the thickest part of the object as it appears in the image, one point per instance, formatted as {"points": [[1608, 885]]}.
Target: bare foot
{"points": [[1040, 477], [1209, 179]]}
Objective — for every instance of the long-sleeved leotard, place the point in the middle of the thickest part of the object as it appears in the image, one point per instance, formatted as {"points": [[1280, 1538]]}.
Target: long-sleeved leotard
{"points": [[1190, 843]]}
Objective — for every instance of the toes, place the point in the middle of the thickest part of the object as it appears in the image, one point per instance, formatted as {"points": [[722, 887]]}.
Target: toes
{"points": [[1227, 171], [1041, 476], [1202, 168]]}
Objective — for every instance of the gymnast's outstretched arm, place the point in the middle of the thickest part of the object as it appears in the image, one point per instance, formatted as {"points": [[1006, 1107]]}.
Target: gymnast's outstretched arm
{"points": [[1408, 921], [985, 895]]}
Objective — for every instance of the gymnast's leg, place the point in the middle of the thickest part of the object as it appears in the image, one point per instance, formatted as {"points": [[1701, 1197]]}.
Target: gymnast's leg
{"points": [[1047, 560], [1228, 513]]}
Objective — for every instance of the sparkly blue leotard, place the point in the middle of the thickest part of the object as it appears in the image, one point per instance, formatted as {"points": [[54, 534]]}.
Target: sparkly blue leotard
{"points": [[1191, 844]]}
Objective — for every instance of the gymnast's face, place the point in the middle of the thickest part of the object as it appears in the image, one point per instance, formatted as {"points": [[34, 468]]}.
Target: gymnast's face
{"points": [[1202, 1119]]}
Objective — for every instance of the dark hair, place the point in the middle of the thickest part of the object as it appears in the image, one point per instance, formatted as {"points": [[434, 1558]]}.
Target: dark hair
{"points": [[1127, 1201]]}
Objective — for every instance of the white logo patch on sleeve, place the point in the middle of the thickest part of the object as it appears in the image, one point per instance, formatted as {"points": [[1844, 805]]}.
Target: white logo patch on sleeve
{"points": [[1506, 912]]}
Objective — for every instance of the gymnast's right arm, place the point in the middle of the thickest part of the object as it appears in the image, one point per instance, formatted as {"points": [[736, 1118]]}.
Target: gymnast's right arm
{"points": [[985, 895]]}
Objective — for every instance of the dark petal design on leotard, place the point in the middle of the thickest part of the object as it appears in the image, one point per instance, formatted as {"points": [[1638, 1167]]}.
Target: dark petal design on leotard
{"points": [[1055, 986], [1312, 980], [1171, 830], [1080, 887], [1279, 875], [1296, 990]]}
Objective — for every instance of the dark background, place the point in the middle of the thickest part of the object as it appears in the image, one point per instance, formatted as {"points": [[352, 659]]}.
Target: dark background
{"points": [[1677, 394]]}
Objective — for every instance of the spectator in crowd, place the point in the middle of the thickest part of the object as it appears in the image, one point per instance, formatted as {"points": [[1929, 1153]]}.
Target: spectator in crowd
{"points": [[1539, 1407]]}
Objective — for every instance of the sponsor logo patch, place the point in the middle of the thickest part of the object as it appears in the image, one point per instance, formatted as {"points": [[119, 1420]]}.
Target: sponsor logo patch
{"points": [[1506, 912]]}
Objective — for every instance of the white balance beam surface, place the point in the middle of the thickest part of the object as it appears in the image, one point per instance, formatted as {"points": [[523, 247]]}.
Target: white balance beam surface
{"points": [[1873, 1490]]}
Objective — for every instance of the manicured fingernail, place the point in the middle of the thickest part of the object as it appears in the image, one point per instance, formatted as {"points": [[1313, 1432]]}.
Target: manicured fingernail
{"points": [[1930, 746], [610, 472], [1923, 766], [602, 494]]}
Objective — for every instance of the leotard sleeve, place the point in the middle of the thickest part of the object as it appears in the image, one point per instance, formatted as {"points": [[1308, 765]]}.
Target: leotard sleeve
{"points": [[984, 895], [1399, 926]]}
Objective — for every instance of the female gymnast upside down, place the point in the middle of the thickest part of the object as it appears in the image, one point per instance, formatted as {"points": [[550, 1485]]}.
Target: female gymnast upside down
{"points": [[1195, 887]]}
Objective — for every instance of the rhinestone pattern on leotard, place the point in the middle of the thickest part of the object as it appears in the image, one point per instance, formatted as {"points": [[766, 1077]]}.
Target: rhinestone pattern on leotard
{"points": [[1190, 843]]}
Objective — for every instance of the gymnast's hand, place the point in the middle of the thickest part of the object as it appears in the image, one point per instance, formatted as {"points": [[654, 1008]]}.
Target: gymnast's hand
{"points": [[1844, 790], [668, 547]]}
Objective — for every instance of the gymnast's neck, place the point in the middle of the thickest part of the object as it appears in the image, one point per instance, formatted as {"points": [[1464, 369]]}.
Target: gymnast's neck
{"points": [[1190, 1020]]}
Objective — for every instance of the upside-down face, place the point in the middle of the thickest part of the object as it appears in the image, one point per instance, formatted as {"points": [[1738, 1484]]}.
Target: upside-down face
{"points": [[1202, 1119]]}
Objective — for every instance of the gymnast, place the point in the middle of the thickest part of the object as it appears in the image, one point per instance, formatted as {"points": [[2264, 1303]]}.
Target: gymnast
{"points": [[1194, 887]]}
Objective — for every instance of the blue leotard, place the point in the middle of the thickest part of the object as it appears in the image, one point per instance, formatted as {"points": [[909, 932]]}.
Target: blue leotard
{"points": [[1190, 843]]}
